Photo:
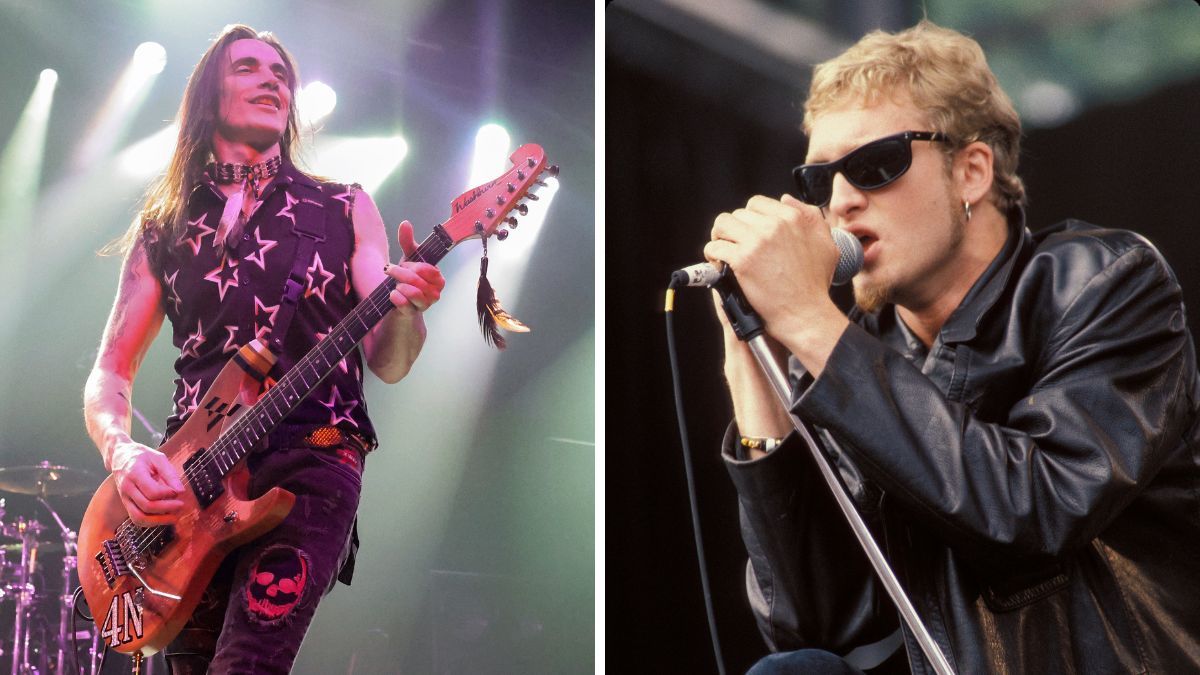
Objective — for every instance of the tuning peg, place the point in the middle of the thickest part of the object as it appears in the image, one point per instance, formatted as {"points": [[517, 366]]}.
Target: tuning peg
{"points": [[502, 234], [500, 199], [530, 195], [532, 162], [512, 222], [520, 175], [489, 212], [523, 209], [552, 169], [478, 227], [512, 188]]}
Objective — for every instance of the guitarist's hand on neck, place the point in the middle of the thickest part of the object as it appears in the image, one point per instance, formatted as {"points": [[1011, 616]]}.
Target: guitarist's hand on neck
{"points": [[148, 484]]}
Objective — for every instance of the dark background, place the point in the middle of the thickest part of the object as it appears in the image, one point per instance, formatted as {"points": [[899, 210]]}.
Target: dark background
{"points": [[690, 133]]}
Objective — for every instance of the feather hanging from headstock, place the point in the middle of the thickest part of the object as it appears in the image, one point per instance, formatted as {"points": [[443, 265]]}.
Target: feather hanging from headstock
{"points": [[493, 316], [481, 211]]}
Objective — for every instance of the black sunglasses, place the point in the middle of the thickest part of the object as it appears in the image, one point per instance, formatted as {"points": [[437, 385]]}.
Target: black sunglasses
{"points": [[866, 167]]}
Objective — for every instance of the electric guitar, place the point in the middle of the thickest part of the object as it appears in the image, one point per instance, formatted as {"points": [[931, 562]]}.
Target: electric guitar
{"points": [[143, 583]]}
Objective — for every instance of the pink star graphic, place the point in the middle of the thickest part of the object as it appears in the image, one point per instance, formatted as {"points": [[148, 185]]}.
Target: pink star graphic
{"points": [[339, 408], [194, 341], [224, 276], [341, 364], [231, 344], [345, 198], [259, 255], [185, 405], [286, 211], [263, 328], [317, 268], [174, 294], [202, 231]]}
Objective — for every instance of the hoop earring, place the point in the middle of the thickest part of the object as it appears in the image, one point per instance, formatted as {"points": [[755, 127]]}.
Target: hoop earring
{"points": [[967, 209]]}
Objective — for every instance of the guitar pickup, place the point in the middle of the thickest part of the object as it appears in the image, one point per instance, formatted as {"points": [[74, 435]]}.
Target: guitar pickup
{"points": [[204, 478], [164, 536]]}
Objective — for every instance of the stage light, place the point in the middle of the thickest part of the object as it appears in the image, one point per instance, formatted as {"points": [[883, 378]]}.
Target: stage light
{"points": [[20, 177], [21, 164], [150, 155], [491, 154], [368, 161], [150, 58], [314, 101], [115, 114]]}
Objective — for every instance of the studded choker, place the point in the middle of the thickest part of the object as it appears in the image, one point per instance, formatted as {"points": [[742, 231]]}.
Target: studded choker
{"points": [[236, 173]]}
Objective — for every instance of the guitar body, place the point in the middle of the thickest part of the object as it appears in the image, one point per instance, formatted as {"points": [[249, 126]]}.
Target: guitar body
{"points": [[142, 584], [131, 617]]}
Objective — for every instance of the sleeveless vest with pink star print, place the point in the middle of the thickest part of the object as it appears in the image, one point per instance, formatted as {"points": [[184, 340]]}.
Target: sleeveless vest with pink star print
{"points": [[218, 298]]}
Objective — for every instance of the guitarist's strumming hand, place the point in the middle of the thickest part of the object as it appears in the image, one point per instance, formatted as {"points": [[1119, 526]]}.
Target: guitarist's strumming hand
{"points": [[148, 484], [418, 284]]}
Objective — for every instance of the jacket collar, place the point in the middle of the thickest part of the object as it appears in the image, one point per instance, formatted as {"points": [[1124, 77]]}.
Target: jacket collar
{"points": [[965, 320]]}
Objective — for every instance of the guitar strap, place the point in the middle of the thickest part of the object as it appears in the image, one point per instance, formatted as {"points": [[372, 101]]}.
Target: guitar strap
{"points": [[310, 231]]}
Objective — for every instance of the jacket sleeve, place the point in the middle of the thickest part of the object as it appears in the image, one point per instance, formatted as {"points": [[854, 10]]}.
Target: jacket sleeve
{"points": [[809, 583], [1110, 397]]}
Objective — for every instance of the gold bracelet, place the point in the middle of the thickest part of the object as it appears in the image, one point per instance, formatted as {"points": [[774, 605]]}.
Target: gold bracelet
{"points": [[764, 444]]}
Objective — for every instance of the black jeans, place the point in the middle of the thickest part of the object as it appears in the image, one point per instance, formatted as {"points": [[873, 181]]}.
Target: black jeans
{"points": [[254, 614]]}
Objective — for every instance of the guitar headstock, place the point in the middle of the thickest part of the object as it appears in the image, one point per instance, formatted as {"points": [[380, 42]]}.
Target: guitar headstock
{"points": [[481, 211]]}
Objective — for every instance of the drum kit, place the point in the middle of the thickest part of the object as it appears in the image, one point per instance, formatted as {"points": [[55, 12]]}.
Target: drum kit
{"points": [[39, 596]]}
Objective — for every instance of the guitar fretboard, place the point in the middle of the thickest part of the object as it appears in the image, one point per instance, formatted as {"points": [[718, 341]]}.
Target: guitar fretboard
{"points": [[237, 441]]}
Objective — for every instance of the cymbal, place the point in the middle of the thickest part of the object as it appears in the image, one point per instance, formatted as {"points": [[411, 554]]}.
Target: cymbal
{"points": [[47, 479]]}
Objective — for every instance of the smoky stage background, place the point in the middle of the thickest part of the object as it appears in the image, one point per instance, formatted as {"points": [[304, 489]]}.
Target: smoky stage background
{"points": [[477, 515]]}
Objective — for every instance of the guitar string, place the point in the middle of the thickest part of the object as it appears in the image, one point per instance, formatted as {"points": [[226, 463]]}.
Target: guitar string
{"points": [[141, 537], [150, 535]]}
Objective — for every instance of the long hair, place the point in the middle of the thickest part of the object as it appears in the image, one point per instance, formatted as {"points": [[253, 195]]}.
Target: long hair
{"points": [[163, 215]]}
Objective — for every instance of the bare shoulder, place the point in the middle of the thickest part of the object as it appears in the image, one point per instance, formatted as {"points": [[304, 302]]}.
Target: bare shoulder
{"points": [[365, 213]]}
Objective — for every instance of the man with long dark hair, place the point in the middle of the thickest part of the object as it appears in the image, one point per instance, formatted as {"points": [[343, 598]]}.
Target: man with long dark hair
{"points": [[213, 250]]}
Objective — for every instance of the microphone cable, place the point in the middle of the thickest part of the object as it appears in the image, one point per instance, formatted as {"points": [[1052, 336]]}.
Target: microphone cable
{"points": [[687, 466]]}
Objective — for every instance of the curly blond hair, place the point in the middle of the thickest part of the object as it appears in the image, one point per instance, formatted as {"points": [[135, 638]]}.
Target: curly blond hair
{"points": [[943, 73]]}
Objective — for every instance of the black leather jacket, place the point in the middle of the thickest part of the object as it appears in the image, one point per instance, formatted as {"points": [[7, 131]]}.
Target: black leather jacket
{"points": [[1034, 476]]}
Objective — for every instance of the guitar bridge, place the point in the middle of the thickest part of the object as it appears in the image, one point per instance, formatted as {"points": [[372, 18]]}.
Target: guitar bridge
{"points": [[112, 562], [117, 560]]}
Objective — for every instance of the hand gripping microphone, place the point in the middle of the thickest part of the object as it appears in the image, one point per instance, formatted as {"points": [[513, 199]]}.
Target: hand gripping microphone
{"points": [[743, 319], [748, 327]]}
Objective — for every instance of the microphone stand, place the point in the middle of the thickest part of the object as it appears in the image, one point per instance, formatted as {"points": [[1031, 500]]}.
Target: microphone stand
{"points": [[748, 327]]}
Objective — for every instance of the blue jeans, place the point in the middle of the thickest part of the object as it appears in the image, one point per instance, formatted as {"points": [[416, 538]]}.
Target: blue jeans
{"points": [[803, 662], [255, 612]]}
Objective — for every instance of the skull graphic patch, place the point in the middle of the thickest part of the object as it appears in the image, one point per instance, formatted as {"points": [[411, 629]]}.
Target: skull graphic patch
{"points": [[276, 585]]}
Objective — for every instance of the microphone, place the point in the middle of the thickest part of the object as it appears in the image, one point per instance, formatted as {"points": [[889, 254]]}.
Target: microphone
{"points": [[850, 260]]}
